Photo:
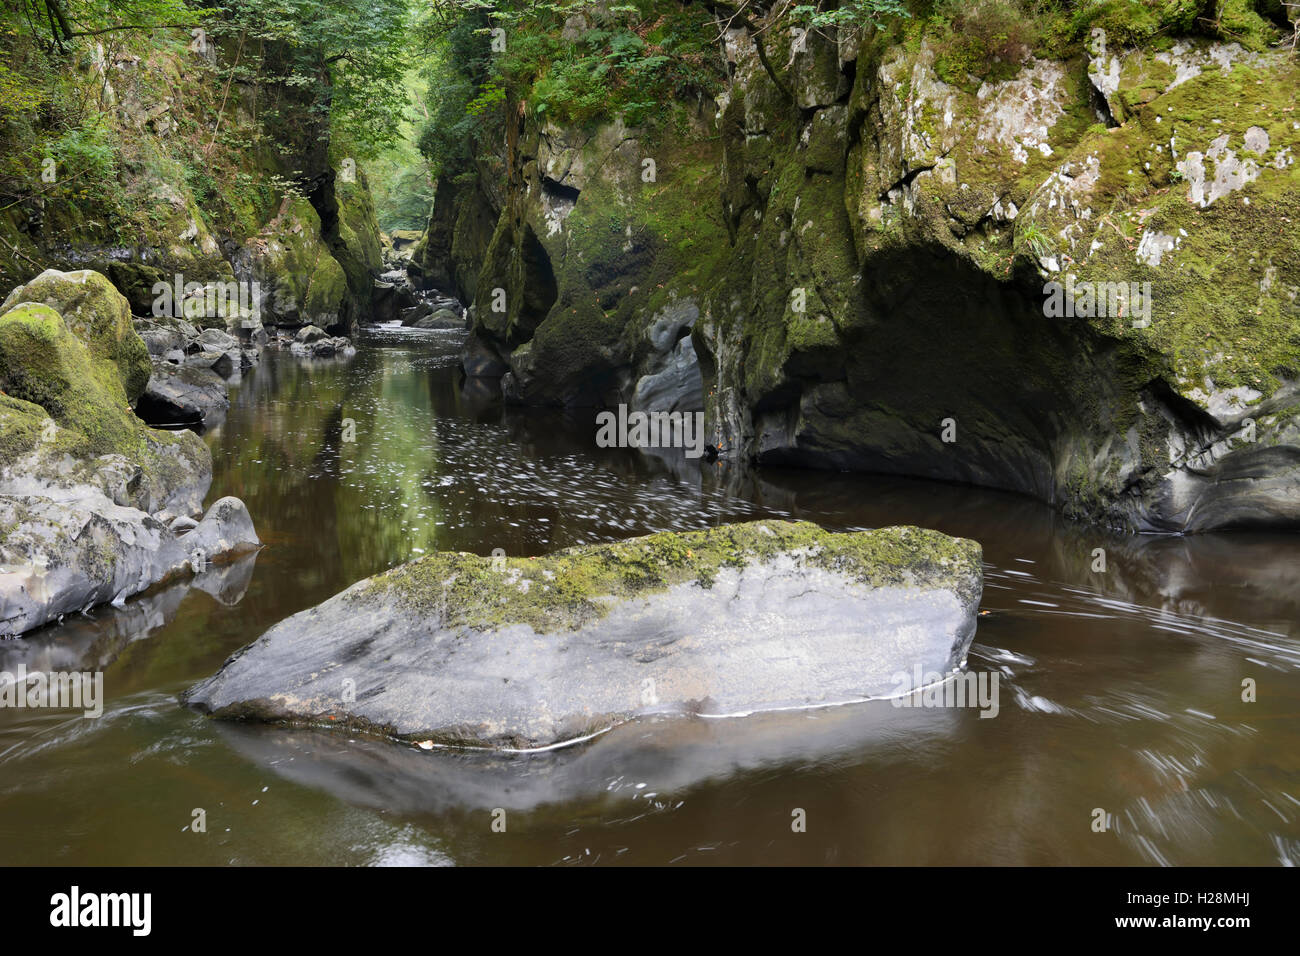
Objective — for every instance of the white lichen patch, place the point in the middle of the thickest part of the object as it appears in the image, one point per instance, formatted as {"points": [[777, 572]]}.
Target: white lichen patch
{"points": [[1019, 114], [1155, 245], [1218, 171]]}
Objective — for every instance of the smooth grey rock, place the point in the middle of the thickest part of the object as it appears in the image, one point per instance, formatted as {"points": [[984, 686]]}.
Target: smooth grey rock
{"points": [[94, 643], [668, 324], [226, 528], [217, 340], [533, 653], [676, 386], [161, 342], [183, 396], [209, 359], [441, 319], [73, 549], [310, 333]]}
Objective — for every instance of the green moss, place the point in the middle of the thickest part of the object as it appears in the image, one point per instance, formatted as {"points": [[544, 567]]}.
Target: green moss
{"points": [[567, 589], [1215, 310], [327, 288], [98, 314], [62, 408], [43, 363]]}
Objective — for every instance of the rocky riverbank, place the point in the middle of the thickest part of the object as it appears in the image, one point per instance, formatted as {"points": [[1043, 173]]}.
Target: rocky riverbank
{"points": [[95, 506]]}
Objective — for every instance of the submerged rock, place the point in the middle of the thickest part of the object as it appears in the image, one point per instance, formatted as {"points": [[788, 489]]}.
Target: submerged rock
{"points": [[529, 653]]}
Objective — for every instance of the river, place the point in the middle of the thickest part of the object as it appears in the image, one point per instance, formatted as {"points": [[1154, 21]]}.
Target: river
{"points": [[1121, 690]]}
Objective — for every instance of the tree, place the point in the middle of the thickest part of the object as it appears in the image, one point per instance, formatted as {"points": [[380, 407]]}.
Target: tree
{"points": [[65, 20], [348, 58]]}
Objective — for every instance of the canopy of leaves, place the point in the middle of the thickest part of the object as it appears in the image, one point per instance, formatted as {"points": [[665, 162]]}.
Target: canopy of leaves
{"points": [[350, 56]]}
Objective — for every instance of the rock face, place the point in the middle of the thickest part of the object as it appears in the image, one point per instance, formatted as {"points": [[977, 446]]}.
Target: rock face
{"points": [[1074, 276], [87, 491], [312, 251], [300, 280], [532, 653]]}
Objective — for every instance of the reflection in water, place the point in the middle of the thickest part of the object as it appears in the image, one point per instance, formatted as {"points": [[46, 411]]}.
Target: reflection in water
{"points": [[1121, 689]]}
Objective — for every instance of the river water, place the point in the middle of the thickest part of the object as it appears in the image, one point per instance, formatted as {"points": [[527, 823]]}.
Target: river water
{"points": [[1121, 690]]}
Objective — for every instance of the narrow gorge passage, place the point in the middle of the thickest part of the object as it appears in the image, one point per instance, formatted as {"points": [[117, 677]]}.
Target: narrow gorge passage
{"points": [[478, 432]]}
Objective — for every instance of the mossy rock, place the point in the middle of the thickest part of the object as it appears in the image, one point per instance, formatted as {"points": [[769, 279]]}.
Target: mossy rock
{"points": [[1193, 195], [98, 314], [65, 421], [458, 649], [44, 363]]}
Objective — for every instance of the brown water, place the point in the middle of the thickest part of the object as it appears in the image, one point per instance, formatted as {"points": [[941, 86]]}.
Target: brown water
{"points": [[1120, 690]]}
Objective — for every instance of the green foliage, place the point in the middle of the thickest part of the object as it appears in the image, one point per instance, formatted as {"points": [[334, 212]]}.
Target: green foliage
{"points": [[1134, 22], [86, 162], [60, 24], [850, 13], [1140, 22], [17, 98], [401, 178], [456, 72], [984, 39], [578, 62], [348, 56]]}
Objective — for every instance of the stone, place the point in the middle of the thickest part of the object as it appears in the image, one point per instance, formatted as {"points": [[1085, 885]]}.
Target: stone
{"points": [[187, 396], [533, 653], [63, 554]]}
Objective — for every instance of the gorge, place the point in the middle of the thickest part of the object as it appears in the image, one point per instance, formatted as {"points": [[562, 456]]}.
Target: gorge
{"points": [[587, 411]]}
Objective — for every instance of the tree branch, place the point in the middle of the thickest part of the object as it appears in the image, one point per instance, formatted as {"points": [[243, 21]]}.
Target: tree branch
{"points": [[134, 26]]}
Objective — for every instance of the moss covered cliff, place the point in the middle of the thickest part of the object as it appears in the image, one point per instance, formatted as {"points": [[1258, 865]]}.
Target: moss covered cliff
{"points": [[1050, 248], [148, 154]]}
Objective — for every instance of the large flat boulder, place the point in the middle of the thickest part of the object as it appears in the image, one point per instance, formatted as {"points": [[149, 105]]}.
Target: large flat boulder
{"points": [[463, 650]]}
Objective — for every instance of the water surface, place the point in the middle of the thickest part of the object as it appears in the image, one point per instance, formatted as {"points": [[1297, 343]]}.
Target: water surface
{"points": [[1120, 690]]}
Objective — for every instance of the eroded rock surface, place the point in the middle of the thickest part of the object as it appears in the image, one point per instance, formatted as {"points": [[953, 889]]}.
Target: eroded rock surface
{"points": [[875, 294]]}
